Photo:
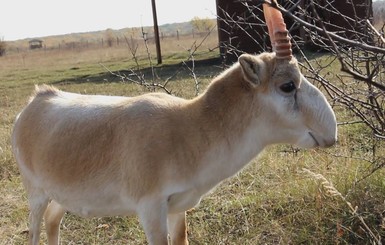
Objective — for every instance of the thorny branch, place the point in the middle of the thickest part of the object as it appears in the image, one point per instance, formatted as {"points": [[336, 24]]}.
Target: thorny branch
{"points": [[353, 45], [136, 75], [356, 45]]}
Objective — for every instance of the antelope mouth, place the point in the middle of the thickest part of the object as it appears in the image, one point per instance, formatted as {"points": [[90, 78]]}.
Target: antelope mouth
{"points": [[323, 142], [315, 139]]}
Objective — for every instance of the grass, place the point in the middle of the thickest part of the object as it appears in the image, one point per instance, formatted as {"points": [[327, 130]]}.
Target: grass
{"points": [[272, 201]]}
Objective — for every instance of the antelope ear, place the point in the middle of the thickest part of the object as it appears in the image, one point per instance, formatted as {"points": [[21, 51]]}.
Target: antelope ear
{"points": [[253, 69]]}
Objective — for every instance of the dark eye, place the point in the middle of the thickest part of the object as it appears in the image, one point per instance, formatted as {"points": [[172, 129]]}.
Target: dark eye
{"points": [[288, 87]]}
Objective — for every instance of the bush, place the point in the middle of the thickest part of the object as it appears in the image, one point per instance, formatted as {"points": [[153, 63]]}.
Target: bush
{"points": [[3, 46]]}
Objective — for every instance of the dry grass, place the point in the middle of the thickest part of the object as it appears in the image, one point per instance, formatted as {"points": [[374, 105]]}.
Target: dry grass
{"points": [[272, 201]]}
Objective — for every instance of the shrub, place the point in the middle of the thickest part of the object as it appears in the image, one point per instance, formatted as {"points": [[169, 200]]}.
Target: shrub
{"points": [[3, 46]]}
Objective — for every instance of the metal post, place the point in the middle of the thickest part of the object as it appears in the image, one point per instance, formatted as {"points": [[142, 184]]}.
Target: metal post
{"points": [[156, 33]]}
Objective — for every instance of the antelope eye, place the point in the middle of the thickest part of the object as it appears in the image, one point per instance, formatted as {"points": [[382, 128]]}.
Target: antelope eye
{"points": [[288, 87]]}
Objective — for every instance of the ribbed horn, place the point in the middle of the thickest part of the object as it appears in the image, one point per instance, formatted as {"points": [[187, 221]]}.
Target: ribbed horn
{"points": [[279, 35]]}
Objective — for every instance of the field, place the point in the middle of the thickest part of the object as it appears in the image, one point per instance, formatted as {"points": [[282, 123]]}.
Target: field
{"points": [[285, 196]]}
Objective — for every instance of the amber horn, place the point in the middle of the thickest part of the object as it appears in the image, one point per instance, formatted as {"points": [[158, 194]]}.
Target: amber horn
{"points": [[279, 36]]}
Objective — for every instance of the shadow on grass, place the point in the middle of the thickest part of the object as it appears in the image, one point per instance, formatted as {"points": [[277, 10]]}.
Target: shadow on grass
{"points": [[183, 70]]}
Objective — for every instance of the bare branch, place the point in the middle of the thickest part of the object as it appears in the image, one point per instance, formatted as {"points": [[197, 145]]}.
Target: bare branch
{"points": [[334, 36]]}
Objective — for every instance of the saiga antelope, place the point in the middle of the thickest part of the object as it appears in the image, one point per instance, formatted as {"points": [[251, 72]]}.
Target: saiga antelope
{"points": [[156, 155]]}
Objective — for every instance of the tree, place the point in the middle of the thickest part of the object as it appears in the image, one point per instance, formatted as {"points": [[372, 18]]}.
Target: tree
{"points": [[3, 47], [110, 37], [204, 24]]}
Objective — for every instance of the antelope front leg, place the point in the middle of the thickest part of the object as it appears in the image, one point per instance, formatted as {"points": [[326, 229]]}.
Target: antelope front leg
{"points": [[178, 228], [153, 217]]}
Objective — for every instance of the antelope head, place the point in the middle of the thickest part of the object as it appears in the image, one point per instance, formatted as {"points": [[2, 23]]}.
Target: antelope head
{"points": [[291, 103]]}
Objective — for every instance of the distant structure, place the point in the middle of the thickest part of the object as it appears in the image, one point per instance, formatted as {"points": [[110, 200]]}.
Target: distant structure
{"points": [[35, 44], [241, 26]]}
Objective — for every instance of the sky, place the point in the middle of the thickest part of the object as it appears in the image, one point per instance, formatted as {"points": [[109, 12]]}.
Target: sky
{"points": [[21, 19]]}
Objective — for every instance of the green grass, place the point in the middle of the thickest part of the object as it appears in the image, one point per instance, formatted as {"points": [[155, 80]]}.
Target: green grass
{"points": [[272, 201]]}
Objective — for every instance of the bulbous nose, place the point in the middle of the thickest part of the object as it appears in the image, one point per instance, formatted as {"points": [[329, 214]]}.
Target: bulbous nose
{"points": [[329, 137], [329, 142], [320, 116], [323, 140]]}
